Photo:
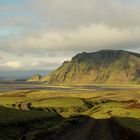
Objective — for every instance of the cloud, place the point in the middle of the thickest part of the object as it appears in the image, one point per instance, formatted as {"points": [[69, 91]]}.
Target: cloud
{"points": [[84, 38], [76, 25], [11, 64], [32, 62], [44, 65], [1, 58], [41, 34], [73, 13]]}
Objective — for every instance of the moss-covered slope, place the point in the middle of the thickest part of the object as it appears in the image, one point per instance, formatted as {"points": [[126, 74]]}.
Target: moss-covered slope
{"points": [[34, 78], [106, 66]]}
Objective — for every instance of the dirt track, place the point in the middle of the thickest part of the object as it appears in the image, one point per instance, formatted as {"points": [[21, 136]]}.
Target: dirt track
{"points": [[98, 130]]}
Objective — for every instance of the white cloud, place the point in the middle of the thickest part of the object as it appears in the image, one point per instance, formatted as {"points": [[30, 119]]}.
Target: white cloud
{"points": [[44, 33], [35, 62], [13, 64], [85, 38], [1, 58], [74, 13]]}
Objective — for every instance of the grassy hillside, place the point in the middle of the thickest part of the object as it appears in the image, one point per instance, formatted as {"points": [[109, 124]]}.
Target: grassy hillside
{"points": [[35, 107], [108, 66]]}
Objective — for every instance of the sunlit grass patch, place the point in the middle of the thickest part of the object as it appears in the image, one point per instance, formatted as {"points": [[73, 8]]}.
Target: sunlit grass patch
{"points": [[59, 102], [112, 109]]}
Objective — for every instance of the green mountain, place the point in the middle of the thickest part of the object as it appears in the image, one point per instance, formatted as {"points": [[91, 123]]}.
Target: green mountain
{"points": [[106, 66], [35, 78]]}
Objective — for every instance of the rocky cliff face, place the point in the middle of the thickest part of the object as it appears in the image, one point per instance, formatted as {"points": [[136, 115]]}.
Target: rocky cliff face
{"points": [[106, 66]]}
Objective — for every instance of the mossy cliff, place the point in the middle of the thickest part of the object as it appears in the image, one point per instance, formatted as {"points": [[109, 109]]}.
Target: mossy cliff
{"points": [[106, 66]]}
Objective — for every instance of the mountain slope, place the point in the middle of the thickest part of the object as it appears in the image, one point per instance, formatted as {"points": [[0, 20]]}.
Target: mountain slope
{"points": [[106, 66], [34, 78]]}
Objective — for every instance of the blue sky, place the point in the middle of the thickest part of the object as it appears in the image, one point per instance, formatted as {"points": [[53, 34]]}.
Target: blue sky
{"points": [[44, 33], [13, 2]]}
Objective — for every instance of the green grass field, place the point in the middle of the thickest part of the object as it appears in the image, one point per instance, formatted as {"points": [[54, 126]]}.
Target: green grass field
{"points": [[59, 102], [122, 104]]}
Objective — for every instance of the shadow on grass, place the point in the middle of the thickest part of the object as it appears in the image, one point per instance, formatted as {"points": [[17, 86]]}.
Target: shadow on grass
{"points": [[33, 125], [103, 129]]}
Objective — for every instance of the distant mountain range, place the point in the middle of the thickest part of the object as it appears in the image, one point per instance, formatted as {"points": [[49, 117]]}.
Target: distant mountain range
{"points": [[105, 66], [21, 75]]}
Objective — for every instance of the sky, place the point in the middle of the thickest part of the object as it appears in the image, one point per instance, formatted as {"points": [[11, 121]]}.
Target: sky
{"points": [[41, 34]]}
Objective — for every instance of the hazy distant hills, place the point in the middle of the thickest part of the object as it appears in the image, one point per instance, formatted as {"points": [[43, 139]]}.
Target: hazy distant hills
{"points": [[20, 75], [106, 66]]}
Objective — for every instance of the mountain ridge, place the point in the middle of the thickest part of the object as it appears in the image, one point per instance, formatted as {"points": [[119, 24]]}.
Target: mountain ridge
{"points": [[105, 66]]}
